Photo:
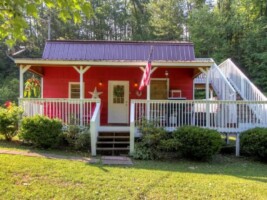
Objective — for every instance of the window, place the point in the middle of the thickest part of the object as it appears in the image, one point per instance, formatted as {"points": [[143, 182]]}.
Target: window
{"points": [[74, 90], [159, 89]]}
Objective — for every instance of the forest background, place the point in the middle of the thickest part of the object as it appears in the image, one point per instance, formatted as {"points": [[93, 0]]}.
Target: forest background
{"points": [[219, 29]]}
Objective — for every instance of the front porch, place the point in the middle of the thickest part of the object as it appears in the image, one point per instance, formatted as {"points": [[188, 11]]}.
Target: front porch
{"points": [[224, 116]]}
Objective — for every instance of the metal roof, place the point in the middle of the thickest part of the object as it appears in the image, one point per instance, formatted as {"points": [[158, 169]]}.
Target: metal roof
{"points": [[118, 50]]}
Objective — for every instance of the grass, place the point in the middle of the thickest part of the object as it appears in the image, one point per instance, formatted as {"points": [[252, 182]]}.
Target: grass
{"points": [[226, 177]]}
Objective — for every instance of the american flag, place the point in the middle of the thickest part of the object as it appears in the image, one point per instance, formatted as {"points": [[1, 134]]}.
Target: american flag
{"points": [[146, 76]]}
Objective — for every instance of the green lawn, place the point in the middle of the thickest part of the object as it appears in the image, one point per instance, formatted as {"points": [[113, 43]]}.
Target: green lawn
{"points": [[40, 178]]}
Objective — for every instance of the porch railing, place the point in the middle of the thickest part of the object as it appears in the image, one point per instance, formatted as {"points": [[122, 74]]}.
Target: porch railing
{"points": [[70, 111], [224, 116], [246, 89]]}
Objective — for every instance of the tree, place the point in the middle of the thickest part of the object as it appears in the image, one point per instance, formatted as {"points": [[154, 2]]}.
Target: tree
{"points": [[16, 15]]}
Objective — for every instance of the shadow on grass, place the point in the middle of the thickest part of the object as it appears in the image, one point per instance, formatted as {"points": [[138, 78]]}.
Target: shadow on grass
{"points": [[225, 165]]}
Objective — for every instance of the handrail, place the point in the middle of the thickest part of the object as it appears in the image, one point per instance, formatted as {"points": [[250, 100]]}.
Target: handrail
{"points": [[219, 82], [94, 124], [222, 115], [60, 99], [240, 81]]}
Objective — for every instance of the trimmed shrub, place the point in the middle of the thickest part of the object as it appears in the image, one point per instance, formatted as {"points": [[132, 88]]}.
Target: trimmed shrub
{"points": [[155, 143], [253, 142], [198, 143], [9, 120], [83, 141], [78, 138], [41, 131]]}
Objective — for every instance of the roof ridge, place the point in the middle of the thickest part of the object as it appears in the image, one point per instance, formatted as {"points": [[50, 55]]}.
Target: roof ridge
{"points": [[121, 42]]}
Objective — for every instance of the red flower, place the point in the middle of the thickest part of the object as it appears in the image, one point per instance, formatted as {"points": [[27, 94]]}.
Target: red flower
{"points": [[8, 104]]}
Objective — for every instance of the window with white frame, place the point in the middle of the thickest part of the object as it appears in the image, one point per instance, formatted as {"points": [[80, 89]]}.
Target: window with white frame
{"points": [[74, 90]]}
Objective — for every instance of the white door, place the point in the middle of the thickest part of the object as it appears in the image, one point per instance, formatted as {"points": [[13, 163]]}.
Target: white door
{"points": [[118, 101]]}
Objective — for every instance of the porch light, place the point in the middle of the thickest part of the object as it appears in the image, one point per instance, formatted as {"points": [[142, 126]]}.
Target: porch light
{"points": [[166, 73], [100, 83], [135, 84]]}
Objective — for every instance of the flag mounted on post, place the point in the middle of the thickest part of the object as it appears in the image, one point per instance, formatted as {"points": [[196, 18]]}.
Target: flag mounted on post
{"points": [[146, 75]]}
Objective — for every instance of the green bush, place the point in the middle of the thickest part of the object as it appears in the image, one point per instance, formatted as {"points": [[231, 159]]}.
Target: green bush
{"points": [[83, 141], [77, 137], [253, 142], [41, 131], [9, 120], [198, 143], [155, 143]]}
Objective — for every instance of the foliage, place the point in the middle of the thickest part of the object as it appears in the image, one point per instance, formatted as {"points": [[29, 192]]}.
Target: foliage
{"points": [[41, 131], [253, 142], [198, 143], [9, 90], [77, 137], [83, 141], [32, 88], [9, 120], [155, 142], [15, 15]]}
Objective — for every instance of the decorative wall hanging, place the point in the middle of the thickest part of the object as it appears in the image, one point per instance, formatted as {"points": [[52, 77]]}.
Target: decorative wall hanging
{"points": [[95, 94]]}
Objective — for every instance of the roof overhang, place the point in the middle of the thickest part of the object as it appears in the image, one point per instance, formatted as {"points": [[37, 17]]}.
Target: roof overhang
{"points": [[42, 63]]}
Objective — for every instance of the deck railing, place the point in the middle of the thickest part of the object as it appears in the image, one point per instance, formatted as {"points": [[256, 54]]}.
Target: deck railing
{"points": [[70, 111], [246, 89], [224, 116]]}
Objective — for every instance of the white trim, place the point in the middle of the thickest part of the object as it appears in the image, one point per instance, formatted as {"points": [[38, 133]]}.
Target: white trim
{"points": [[22, 70], [69, 91], [64, 63]]}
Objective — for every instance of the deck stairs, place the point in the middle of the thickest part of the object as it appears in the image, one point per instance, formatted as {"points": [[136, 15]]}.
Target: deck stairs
{"points": [[230, 83], [113, 143]]}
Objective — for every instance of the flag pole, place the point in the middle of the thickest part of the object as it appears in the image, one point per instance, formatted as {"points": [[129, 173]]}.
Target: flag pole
{"points": [[148, 87]]}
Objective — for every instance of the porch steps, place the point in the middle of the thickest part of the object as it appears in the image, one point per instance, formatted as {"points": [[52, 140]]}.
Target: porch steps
{"points": [[113, 143]]}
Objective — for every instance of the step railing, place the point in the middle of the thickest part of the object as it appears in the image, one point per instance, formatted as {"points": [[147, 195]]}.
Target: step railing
{"points": [[94, 127], [246, 89], [219, 82], [171, 114], [221, 85], [70, 111]]}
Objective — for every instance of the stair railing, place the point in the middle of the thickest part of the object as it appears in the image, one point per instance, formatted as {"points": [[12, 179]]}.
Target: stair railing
{"points": [[246, 89]]}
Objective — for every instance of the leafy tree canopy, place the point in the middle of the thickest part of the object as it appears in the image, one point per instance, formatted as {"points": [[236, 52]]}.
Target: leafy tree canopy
{"points": [[16, 15]]}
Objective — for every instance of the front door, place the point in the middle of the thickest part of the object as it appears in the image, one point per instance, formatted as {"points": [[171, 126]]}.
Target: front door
{"points": [[118, 101]]}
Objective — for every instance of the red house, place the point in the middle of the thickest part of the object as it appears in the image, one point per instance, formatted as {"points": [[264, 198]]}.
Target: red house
{"points": [[97, 82]]}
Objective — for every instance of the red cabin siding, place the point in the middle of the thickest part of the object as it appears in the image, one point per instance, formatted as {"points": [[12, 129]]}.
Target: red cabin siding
{"points": [[56, 82]]}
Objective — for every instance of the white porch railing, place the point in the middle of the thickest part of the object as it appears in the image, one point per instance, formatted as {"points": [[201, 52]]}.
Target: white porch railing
{"points": [[221, 85], [246, 89], [219, 82], [70, 111], [94, 125], [171, 114]]}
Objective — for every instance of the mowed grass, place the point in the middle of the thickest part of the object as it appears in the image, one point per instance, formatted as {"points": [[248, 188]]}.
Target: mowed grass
{"points": [[226, 177]]}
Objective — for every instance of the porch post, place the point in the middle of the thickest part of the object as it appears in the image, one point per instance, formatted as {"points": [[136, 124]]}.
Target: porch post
{"points": [[132, 128], [207, 99], [148, 103], [237, 145], [42, 87], [22, 70], [81, 71]]}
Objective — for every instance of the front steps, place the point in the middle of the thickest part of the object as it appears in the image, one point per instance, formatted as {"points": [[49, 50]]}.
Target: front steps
{"points": [[113, 143]]}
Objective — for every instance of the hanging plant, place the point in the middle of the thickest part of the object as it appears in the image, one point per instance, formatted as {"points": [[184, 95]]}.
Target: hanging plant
{"points": [[32, 88]]}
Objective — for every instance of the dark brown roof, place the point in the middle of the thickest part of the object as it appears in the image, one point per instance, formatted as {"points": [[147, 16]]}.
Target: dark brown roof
{"points": [[118, 50]]}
